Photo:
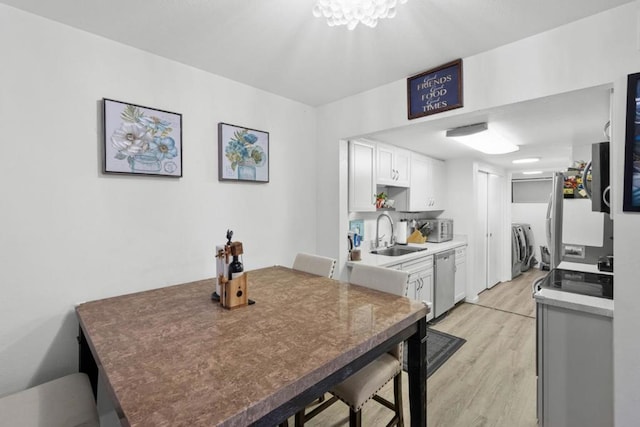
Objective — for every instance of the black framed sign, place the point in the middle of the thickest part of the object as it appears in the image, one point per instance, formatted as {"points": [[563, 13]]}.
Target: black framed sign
{"points": [[435, 91], [631, 198]]}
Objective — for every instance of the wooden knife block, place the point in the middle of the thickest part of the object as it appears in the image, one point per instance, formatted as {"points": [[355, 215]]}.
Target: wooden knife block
{"points": [[234, 293]]}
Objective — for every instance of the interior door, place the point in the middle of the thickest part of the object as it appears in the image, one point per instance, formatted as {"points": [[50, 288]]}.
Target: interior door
{"points": [[480, 281], [495, 220]]}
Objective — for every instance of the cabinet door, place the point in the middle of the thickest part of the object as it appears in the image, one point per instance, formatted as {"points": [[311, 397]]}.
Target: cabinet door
{"points": [[386, 169], [437, 183], [362, 181], [413, 287], [402, 166], [426, 289], [460, 283], [418, 192]]}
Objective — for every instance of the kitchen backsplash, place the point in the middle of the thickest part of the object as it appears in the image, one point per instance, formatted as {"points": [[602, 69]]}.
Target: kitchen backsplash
{"points": [[369, 219]]}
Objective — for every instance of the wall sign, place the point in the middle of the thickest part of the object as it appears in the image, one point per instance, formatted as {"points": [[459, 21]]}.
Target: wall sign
{"points": [[435, 91], [631, 195]]}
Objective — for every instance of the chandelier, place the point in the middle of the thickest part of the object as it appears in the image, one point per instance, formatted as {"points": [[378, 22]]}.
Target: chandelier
{"points": [[351, 12]]}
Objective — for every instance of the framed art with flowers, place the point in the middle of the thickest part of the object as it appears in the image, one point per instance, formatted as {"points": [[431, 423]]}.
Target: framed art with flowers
{"points": [[243, 154], [141, 140]]}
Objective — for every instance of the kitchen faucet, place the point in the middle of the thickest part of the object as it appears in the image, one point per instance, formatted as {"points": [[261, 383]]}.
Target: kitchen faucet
{"points": [[391, 240]]}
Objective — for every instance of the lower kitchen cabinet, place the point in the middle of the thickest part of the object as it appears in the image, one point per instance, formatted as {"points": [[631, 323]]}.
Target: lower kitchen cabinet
{"points": [[420, 280], [574, 368], [460, 285]]}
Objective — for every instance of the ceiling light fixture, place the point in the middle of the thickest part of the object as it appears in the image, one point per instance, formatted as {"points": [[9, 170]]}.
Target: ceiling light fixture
{"points": [[528, 160], [351, 12], [479, 137], [531, 172]]}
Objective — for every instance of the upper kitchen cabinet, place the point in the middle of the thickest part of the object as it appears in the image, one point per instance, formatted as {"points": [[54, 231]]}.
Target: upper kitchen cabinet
{"points": [[438, 183], [394, 164], [426, 192], [362, 176]]}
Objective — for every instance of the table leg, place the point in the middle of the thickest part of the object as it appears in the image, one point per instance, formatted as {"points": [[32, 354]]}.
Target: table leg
{"points": [[417, 372], [87, 363]]}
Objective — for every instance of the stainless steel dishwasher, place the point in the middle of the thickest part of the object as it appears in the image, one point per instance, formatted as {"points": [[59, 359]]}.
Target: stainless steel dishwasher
{"points": [[443, 285]]}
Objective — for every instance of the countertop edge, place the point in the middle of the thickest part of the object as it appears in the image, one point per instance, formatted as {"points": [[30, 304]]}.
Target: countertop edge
{"points": [[386, 261], [584, 303]]}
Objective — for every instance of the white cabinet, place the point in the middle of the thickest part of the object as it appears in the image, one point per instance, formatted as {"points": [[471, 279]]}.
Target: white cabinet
{"points": [[436, 191], [393, 166], [420, 179], [460, 283], [362, 176], [426, 192], [574, 367], [420, 280]]}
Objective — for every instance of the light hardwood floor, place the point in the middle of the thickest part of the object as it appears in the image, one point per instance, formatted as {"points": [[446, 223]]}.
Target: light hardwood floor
{"points": [[490, 381]]}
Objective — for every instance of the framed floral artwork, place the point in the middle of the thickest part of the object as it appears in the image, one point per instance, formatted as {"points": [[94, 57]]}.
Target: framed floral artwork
{"points": [[141, 140], [243, 154]]}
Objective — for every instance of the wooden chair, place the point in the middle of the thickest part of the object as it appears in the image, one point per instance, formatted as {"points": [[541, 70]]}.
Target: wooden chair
{"points": [[362, 386], [65, 402], [315, 264]]}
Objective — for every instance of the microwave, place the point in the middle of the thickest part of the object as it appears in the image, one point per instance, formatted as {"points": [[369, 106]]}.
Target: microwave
{"points": [[438, 230]]}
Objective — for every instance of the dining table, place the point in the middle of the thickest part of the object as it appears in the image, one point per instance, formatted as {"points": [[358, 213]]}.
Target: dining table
{"points": [[173, 357]]}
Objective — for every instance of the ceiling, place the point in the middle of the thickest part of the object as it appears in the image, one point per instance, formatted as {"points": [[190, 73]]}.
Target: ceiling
{"points": [[278, 46], [552, 128]]}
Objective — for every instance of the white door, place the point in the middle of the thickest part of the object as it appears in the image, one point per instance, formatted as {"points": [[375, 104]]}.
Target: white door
{"points": [[489, 222], [480, 278], [495, 220]]}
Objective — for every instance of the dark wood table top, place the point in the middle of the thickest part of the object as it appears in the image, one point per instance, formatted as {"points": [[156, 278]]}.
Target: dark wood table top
{"points": [[172, 357]]}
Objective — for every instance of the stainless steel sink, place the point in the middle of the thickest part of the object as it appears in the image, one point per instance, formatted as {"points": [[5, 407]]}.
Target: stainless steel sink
{"points": [[397, 250]]}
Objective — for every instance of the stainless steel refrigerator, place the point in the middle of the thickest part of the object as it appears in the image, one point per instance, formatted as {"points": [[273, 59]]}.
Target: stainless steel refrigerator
{"points": [[580, 230]]}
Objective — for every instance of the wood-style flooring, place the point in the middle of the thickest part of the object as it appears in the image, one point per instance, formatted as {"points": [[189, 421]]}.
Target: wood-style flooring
{"points": [[490, 381]]}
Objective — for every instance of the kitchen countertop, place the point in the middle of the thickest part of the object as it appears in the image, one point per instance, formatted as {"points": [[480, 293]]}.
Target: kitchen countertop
{"points": [[585, 303], [579, 266], [386, 261]]}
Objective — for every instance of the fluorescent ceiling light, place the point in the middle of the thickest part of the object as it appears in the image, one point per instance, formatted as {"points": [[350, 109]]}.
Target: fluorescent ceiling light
{"points": [[531, 172], [479, 137], [352, 12], [528, 160]]}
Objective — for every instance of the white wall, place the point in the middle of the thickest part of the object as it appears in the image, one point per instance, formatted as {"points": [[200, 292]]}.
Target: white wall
{"points": [[71, 234], [591, 52]]}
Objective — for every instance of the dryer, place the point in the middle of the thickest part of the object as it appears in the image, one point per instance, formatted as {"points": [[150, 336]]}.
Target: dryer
{"points": [[518, 249]]}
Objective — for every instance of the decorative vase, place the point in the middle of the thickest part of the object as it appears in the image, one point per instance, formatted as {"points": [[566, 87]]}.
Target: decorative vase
{"points": [[247, 172], [144, 163]]}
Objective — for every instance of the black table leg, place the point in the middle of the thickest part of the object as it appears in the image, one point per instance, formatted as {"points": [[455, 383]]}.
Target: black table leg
{"points": [[417, 372], [87, 363]]}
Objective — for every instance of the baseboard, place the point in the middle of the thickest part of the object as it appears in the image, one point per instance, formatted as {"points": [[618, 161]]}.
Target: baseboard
{"points": [[473, 300]]}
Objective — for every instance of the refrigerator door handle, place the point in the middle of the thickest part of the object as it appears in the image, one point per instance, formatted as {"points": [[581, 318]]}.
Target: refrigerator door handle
{"points": [[605, 198]]}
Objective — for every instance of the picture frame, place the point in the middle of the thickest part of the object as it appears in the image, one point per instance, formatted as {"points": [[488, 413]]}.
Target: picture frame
{"points": [[435, 91], [243, 154], [141, 140], [631, 195]]}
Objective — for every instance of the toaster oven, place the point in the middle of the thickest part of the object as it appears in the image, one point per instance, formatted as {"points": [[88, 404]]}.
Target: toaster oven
{"points": [[437, 230]]}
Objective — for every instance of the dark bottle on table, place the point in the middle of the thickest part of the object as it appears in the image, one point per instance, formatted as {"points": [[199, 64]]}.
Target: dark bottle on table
{"points": [[235, 268]]}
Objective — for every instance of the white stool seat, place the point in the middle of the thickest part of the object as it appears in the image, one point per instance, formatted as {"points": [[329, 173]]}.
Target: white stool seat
{"points": [[64, 402]]}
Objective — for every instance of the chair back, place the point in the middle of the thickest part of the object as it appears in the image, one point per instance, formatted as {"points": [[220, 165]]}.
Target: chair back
{"points": [[381, 279], [315, 264]]}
